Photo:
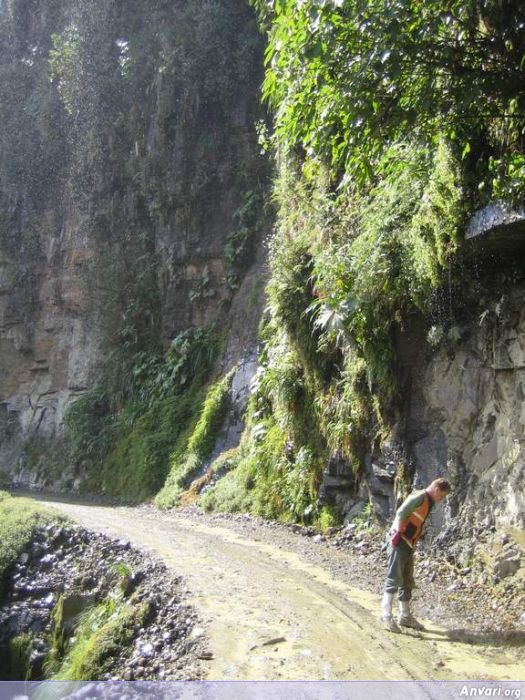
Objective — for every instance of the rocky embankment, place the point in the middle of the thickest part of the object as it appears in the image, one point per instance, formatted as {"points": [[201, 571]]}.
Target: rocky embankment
{"points": [[475, 585], [67, 572]]}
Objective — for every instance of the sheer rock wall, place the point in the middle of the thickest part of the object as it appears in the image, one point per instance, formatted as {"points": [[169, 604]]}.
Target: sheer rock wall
{"points": [[127, 146], [465, 414]]}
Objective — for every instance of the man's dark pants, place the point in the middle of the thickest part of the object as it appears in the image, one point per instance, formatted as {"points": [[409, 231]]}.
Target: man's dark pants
{"points": [[400, 574]]}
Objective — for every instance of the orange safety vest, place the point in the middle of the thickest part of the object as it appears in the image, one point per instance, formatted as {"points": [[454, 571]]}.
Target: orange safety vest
{"points": [[414, 523]]}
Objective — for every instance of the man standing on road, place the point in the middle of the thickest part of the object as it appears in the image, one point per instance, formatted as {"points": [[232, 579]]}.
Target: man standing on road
{"points": [[406, 530]]}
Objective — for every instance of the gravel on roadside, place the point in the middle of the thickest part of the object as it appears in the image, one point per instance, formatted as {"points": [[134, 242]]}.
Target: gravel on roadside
{"points": [[473, 585]]}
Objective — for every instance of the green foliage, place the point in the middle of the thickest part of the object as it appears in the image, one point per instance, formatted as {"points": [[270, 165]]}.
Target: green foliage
{"points": [[102, 634], [201, 287], [196, 445], [263, 467], [364, 520], [386, 112], [64, 60], [296, 484], [18, 519], [89, 428], [187, 362], [225, 494], [231, 494], [124, 446], [58, 639], [267, 477], [210, 420], [403, 235], [347, 412], [225, 461], [239, 247], [137, 465], [190, 357], [349, 79], [19, 654], [345, 272], [329, 517], [505, 177], [283, 461], [384, 255]]}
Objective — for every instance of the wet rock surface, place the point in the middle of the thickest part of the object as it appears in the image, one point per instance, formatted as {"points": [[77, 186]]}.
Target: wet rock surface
{"points": [[81, 568], [497, 227]]}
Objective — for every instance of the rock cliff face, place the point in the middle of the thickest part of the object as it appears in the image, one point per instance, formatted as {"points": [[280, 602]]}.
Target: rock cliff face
{"points": [[128, 144], [465, 413], [461, 415]]}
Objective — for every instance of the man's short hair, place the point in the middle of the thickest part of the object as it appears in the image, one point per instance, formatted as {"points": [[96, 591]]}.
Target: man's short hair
{"points": [[442, 485]]}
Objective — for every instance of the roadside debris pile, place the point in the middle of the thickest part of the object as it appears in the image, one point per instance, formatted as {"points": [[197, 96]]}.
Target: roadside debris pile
{"points": [[479, 578], [68, 573]]}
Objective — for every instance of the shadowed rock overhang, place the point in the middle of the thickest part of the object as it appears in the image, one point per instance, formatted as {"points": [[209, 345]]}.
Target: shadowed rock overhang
{"points": [[497, 228]]}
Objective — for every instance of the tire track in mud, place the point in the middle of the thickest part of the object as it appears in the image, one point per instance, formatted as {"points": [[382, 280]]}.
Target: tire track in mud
{"points": [[249, 592]]}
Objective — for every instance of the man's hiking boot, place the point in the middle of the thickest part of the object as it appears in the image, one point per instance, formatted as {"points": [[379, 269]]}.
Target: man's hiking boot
{"points": [[410, 621], [389, 623], [406, 619], [386, 618]]}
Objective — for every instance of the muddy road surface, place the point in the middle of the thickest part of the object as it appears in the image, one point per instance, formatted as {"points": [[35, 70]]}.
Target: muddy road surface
{"points": [[270, 612]]}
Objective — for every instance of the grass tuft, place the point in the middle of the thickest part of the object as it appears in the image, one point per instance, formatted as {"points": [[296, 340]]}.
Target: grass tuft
{"points": [[103, 633], [19, 517]]}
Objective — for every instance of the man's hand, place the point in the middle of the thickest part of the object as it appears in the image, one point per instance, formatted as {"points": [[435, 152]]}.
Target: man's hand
{"points": [[397, 530], [395, 539]]}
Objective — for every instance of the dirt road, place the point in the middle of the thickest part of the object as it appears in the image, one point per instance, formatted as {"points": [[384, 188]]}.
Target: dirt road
{"points": [[272, 614]]}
